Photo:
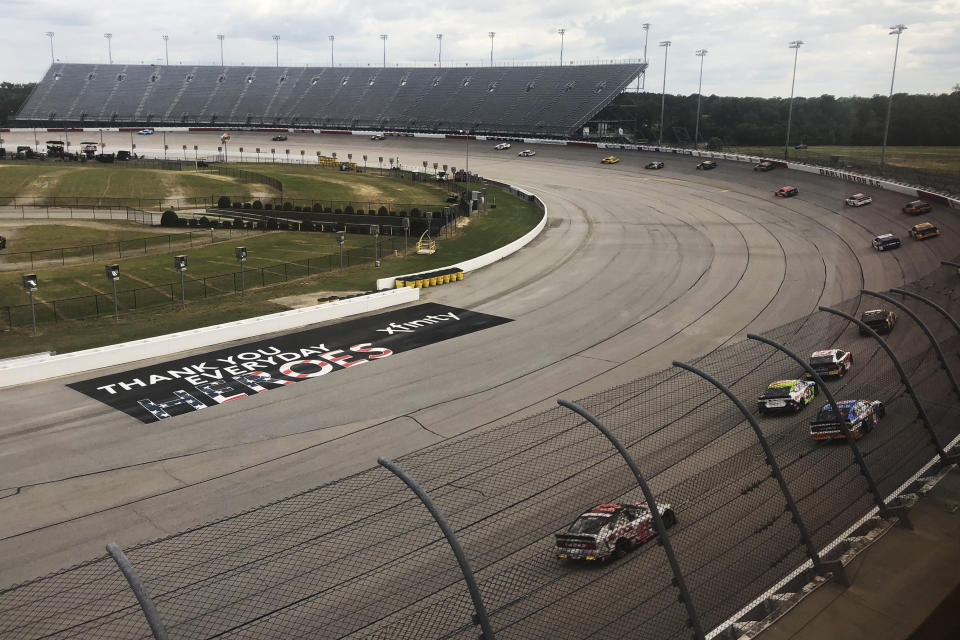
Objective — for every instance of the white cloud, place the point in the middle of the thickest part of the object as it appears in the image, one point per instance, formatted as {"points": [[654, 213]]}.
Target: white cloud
{"points": [[847, 48]]}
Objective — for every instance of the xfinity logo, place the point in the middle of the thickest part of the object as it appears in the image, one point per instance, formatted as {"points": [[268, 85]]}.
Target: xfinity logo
{"points": [[413, 325]]}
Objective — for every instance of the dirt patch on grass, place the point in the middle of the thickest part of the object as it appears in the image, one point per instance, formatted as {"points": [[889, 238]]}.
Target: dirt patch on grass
{"points": [[41, 186], [309, 299]]}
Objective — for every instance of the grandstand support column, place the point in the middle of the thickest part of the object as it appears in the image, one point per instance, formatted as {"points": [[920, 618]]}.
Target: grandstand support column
{"points": [[663, 93], [694, 619], [822, 568], [795, 45], [139, 590], [945, 458], [481, 611]]}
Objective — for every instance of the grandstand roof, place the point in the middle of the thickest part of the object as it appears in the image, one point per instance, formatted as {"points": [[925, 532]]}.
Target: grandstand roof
{"points": [[548, 101]]}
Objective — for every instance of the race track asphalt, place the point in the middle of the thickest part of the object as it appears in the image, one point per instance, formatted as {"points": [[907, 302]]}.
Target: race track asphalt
{"points": [[635, 269]]}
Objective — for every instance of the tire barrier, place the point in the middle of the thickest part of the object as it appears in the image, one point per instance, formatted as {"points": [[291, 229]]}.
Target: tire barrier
{"points": [[430, 278]]}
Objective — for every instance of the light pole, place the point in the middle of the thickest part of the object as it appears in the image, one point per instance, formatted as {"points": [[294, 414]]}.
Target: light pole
{"points": [[166, 48], [561, 32], [220, 38], [113, 274], [795, 45], [276, 40], [50, 35], [180, 264], [643, 74], [696, 135], [331, 39], [439, 50], [383, 36], [30, 285], [241, 254], [896, 29], [663, 94], [109, 36], [492, 34]]}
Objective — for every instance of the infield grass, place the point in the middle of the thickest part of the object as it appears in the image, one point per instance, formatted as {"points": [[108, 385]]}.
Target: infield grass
{"points": [[938, 159]]}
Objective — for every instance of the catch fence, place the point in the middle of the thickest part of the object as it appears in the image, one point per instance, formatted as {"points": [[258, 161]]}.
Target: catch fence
{"points": [[361, 558]]}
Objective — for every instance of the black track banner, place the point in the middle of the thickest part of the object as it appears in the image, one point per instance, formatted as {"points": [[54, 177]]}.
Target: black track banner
{"points": [[197, 382]]}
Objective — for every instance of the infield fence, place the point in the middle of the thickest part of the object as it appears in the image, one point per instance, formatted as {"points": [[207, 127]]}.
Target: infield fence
{"points": [[361, 557]]}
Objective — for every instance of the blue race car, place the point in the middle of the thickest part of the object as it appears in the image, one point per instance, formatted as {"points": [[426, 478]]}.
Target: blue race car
{"points": [[860, 416]]}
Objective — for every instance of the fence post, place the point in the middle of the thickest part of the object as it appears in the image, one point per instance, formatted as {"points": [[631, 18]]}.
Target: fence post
{"points": [[481, 612], [821, 566], [884, 510], [944, 458], [926, 331], [693, 620], [140, 591], [938, 308]]}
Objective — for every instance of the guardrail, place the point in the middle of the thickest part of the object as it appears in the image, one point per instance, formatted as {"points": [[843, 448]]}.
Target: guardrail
{"points": [[506, 490]]}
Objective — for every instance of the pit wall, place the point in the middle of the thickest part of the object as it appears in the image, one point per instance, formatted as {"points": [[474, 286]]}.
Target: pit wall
{"points": [[42, 367]]}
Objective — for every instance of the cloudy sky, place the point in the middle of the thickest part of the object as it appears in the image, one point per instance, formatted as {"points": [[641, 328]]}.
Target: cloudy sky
{"points": [[847, 47]]}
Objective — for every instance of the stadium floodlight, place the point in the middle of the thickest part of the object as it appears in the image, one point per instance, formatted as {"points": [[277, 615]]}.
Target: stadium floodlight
{"points": [[643, 74], [795, 45], [439, 50], [492, 34], [663, 94], [49, 34], [166, 48], [331, 39], [561, 32], [895, 29], [276, 40], [109, 36], [696, 134], [220, 37], [384, 36]]}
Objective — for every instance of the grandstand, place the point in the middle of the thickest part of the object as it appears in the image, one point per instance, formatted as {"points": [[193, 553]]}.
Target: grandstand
{"points": [[547, 101]]}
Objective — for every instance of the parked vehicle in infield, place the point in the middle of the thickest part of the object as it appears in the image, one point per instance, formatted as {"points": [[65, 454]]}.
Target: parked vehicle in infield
{"points": [[886, 241], [453, 197], [610, 529], [527, 153], [786, 192], [279, 138], [764, 165], [830, 362], [917, 207], [145, 132], [858, 200], [653, 165], [502, 146], [924, 230], [707, 164], [378, 136], [786, 395], [861, 416], [610, 160], [880, 320]]}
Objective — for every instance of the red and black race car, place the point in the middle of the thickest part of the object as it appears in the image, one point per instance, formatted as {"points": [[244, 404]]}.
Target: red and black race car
{"points": [[610, 529]]}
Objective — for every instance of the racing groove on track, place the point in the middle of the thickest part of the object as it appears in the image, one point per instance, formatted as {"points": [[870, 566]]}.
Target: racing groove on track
{"points": [[709, 295]]}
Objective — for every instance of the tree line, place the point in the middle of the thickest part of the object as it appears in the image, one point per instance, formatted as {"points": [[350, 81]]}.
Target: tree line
{"points": [[918, 120], [12, 97]]}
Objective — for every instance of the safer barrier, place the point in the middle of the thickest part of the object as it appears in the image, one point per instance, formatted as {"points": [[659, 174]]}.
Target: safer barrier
{"points": [[430, 278], [287, 568]]}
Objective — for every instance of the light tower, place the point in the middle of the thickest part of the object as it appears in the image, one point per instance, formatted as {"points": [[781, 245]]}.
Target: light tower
{"points": [[49, 34], [663, 94], [166, 49], [492, 34], [439, 50], [384, 36], [896, 29], [561, 32], [795, 45], [643, 74], [109, 36], [696, 134], [276, 40], [331, 38], [220, 38]]}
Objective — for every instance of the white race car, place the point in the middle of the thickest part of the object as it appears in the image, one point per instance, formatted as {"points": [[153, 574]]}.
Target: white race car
{"points": [[858, 200], [502, 146], [526, 153], [145, 132]]}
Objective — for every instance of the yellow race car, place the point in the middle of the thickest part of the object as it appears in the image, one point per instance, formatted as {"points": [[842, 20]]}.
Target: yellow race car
{"points": [[924, 230], [610, 160]]}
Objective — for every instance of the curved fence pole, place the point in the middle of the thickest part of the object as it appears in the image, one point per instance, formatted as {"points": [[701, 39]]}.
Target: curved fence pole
{"points": [[926, 331], [927, 301], [451, 537], [944, 458], [694, 619], [884, 510], [136, 584], [821, 566]]}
